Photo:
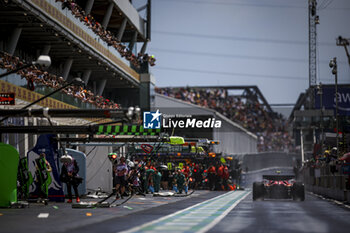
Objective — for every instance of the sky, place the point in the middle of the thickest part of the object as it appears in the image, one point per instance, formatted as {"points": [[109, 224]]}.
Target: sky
{"points": [[246, 42]]}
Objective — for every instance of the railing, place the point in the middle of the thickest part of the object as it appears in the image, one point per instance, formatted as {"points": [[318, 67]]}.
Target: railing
{"points": [[44, 90], [328, 180], [65, 17]]}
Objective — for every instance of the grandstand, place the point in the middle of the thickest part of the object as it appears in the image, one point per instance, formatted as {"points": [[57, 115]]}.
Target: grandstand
{"points": [[233, 138], [242, 106], [102, 42]]}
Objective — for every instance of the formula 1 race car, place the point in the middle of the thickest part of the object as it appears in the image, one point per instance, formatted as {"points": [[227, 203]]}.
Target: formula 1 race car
{"points": [[278, 187]]}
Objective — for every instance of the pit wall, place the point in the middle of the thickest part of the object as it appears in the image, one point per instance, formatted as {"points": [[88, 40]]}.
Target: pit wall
{"points": [[322, 181]]}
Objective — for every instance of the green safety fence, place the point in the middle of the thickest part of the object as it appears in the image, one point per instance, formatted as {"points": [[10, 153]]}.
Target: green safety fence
{"points": [[126, 130]]}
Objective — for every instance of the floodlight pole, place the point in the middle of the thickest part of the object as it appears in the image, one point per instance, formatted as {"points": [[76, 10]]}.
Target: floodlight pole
{"points": [[336, 105], [320, 92], [344, 42], [302, 146], [333, 65], [313, 21]]}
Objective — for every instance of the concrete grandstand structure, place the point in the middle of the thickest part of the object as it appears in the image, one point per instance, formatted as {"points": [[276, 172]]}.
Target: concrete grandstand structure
{"points": [[42, 27], [242, 109], [46, 27], [109, 59]]}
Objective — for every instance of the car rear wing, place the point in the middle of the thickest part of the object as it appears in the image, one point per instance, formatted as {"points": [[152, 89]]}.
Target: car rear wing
{"points": [[278, 177]]}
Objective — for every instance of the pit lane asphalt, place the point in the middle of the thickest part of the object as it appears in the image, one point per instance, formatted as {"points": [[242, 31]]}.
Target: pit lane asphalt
{"points": [[62, 218], [312, 215]]}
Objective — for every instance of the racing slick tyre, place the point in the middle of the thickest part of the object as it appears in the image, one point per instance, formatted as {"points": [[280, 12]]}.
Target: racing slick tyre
{"points": [[258, 191], [298, 191]]}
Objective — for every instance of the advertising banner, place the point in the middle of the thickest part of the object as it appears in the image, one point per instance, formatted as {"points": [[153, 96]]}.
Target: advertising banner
{"points": [[329, 99]]}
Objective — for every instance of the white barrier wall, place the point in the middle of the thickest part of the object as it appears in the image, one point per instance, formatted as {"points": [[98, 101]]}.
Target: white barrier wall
{"points": [[233, 138]]}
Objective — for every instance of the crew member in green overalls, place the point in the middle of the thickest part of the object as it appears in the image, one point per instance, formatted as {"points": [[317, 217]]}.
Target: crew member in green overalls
{"points": [[43, 177], [25, 178], [180, 180], [157, 176], [149, 179]]}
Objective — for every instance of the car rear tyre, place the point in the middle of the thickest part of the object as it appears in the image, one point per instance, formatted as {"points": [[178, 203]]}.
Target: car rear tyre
{"points": [[258, 191], [298, 191]]}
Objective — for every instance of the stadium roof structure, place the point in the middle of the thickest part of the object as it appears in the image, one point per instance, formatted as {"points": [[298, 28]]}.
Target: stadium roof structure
{"points": [[124, 9], [249, 92]]}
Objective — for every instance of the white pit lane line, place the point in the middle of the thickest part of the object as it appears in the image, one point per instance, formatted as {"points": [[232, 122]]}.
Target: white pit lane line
{"points": [[202, 216]]}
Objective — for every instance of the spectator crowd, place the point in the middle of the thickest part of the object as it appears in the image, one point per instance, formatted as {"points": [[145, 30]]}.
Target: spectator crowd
{"points": [[271, 129], [329, 157], [328, 165], [106, 35], [35, 76]]}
